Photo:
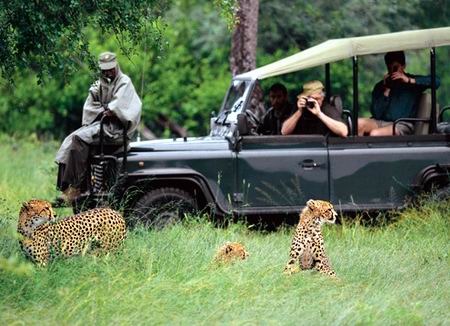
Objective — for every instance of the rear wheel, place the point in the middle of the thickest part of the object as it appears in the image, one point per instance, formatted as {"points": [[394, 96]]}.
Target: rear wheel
{"points": [[164, 206], [443, 193]]}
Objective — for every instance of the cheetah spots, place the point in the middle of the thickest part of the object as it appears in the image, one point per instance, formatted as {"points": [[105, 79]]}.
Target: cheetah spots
{"points": [[100, 229]]}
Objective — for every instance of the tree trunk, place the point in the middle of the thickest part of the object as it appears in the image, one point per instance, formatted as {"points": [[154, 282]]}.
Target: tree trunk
{"points": [[244, 40], [243, 48]]}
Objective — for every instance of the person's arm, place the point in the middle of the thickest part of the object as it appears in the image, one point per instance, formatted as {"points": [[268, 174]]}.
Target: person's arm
{"points": [[424, 81], [125, 103], [290, 123], [92, 108], [380, 101], [421, 81], [337, 127]]}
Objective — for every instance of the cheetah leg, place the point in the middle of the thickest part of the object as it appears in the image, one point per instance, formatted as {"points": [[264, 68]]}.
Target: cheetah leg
{"points": [[111, 240], [323, 265], [37, 251], [290, 266]]}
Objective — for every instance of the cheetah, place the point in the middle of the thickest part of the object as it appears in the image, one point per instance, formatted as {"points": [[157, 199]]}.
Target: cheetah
{"points": [[307, 244], [230, 252], [34, 207], [97, 230]]}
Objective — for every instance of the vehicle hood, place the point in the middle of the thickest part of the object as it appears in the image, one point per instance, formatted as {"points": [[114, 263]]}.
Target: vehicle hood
{"points": [[181, 144]]}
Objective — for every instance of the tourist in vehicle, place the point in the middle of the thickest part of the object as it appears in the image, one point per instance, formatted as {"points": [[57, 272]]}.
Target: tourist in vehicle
{"points": [[394, 97], [114, 96], [280, 110], [314, 115]]}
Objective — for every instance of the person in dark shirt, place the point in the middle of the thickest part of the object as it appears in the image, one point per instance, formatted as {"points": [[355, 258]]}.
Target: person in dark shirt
{"points": [[280, 110], [394, 97], [314, 115]]}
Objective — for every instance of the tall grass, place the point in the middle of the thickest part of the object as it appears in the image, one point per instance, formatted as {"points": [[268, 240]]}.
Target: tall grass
{"points": [[392, 274]]}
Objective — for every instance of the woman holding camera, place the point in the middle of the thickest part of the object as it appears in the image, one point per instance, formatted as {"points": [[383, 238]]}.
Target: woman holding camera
{"points": [[314, 115]]}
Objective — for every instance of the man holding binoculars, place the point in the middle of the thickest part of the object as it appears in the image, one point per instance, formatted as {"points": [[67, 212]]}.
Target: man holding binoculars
{"points": [[314, 115]]}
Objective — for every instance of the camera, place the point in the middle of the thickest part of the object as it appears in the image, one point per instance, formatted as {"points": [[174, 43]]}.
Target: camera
{"points": [[309, 104], [389, 82]]}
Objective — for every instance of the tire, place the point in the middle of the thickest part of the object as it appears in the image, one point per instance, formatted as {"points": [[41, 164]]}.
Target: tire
{"points": [[443, 193], [163, 206]]}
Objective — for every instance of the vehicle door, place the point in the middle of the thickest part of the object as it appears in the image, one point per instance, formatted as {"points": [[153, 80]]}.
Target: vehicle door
{"points": [[280, 173], [379, 172]]}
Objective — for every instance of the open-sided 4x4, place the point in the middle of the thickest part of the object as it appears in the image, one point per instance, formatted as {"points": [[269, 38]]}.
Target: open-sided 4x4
{"points": [[230, 172]]}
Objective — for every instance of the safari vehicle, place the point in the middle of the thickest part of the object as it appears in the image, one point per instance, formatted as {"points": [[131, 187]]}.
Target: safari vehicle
{"points": [[231, 172]]}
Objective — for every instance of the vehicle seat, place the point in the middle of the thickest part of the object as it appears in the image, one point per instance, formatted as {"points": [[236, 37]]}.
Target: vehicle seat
{"points": [[336, 101], [424, 112], [443, 127]]}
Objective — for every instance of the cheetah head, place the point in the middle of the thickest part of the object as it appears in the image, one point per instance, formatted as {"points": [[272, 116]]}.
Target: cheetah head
{"points": [[32, 214], [322, 209], [231, 251]]}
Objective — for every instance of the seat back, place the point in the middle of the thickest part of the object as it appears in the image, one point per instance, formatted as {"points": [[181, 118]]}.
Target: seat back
{"points": [[336, 101], [424, 112]]}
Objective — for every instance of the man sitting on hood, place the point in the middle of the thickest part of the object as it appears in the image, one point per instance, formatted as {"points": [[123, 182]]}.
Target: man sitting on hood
{"points": [[113, 95]]}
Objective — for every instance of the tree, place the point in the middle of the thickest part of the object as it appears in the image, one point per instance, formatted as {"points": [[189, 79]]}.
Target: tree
{"points": [[243, 47], [49, 36]]}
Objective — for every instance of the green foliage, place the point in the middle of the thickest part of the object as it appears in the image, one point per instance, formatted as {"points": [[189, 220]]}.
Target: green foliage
{"points": [[391, 274], [180, 61], [229, 9], [49, 36], [286, 29]]}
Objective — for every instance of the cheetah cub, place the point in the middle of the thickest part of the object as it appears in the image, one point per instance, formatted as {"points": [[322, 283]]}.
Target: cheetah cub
{"points": [[230, 252], [307, 245], [98, 230]]}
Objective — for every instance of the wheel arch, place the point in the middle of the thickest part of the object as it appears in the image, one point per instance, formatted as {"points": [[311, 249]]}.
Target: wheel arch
{"points": [[192, 182], [437, 175]]}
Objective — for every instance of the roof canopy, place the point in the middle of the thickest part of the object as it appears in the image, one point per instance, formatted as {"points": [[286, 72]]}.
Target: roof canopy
{"points": [[338, 49]]}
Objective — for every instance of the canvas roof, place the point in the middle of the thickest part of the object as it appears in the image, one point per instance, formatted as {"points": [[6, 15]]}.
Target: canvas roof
{"points": [[338, 49]]}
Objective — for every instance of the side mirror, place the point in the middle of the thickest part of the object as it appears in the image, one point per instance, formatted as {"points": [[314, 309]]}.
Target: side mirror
{"points": [[242, 124]]}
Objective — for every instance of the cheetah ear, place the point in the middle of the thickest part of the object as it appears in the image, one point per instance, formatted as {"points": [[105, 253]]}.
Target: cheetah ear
{"points": [[311, 204], [228, 249]]}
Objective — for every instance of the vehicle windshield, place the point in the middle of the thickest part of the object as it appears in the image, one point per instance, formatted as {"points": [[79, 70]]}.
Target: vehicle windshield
{"points": [[236, 95], [232, 106]]}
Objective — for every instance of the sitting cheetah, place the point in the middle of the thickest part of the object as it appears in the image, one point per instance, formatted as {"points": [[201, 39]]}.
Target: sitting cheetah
{"points": [[102, 229], [230, 252], [307, 244]]}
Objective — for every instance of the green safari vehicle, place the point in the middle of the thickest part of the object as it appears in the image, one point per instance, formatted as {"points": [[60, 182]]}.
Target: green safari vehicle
{"points": [[231, 172]]}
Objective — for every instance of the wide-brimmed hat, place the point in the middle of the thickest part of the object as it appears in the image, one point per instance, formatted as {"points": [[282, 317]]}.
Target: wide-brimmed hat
{"points": [[311, 87], [107, 60]]}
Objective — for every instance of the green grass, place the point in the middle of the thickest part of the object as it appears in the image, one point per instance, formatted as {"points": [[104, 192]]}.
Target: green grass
{"points": [[392, 274]]}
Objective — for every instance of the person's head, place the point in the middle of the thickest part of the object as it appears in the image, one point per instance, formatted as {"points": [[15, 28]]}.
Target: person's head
{"points": [[395, 61], [313, 89], [278, 96], [108, 65]]}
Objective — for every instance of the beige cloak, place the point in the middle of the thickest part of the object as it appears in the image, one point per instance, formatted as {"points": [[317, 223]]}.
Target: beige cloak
{"points": [[121, 98]]}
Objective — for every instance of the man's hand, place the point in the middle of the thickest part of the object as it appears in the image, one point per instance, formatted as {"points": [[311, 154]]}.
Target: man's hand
{"points": [[108, 113], [301, 102], [400, 75], [316, 109]]}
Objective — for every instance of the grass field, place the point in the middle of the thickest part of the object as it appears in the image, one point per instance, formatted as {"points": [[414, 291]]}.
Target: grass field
{"points": [[392, 274]]}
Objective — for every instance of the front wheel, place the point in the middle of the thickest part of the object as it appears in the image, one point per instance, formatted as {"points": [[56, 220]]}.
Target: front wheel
{"points": [[163, 206]]}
